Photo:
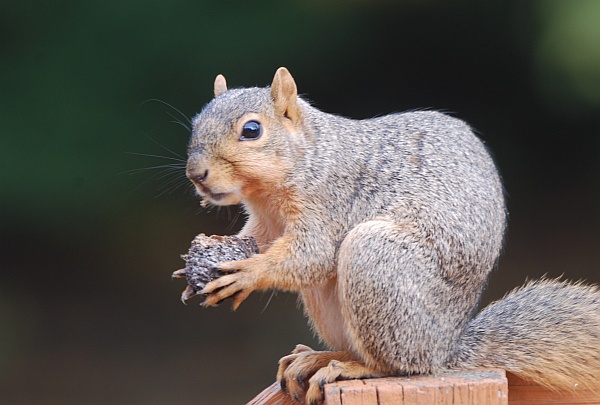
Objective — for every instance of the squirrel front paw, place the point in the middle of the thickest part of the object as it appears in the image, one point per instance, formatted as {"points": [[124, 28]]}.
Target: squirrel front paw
{"points": [[249, 275]]}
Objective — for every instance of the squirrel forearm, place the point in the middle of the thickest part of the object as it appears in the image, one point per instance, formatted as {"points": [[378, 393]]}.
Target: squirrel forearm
{"points": [[292, 263]]}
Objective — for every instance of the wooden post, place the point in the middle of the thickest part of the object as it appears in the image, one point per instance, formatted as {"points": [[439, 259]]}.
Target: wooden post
{"points": [[521, 392], [475, 387], [272, 395]]}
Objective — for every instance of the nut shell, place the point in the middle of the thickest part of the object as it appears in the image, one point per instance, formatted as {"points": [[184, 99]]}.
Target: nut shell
{"points": [[207, 251]]}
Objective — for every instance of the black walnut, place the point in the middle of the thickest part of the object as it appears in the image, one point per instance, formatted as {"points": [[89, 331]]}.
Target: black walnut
{"points": [[205, 253]]}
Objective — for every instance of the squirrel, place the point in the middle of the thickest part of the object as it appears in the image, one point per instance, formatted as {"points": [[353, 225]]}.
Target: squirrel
{"points": [[388, 228]]}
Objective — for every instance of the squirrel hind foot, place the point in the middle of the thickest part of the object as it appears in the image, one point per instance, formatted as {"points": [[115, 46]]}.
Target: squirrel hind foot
{"points": [[303, 373], [336, 370]]}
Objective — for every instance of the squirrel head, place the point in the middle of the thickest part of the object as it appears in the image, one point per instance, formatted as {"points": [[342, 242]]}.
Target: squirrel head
{"points": [[243, 141]]}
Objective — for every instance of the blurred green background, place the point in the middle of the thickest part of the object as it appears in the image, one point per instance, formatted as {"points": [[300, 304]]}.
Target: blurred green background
{"points": [[91, 229]]}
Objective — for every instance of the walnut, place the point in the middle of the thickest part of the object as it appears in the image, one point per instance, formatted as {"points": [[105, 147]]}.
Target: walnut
{"points": [[203, 255]]}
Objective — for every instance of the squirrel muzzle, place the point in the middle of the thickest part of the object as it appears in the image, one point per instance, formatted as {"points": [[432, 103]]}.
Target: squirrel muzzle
{"points": [[212, 183]]}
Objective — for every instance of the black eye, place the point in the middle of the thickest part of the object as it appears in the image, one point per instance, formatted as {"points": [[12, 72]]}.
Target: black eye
{"points": [[250, 131]]}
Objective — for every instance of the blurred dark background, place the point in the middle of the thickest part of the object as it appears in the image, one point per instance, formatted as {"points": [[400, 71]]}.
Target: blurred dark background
{"points": [[91, 226]]}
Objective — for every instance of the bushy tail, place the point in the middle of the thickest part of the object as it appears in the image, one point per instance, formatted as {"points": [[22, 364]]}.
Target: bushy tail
{"points": [[547, 331]]}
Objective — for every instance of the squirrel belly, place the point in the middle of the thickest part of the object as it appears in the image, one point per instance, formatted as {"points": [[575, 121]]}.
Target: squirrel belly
{"points": [[388, 228]]}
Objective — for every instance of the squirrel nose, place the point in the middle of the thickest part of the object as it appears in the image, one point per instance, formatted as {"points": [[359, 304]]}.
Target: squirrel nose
{"points": [[197, 177]]}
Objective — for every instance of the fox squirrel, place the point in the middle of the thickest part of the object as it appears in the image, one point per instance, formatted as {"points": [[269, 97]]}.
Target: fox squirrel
{"points": [[388, 228]]}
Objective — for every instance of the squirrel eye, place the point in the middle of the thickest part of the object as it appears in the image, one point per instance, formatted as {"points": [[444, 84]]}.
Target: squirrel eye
{"points": [[250, 131]]}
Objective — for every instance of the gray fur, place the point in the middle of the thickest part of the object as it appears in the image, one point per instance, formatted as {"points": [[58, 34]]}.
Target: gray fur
{"points": [[402, 220]]}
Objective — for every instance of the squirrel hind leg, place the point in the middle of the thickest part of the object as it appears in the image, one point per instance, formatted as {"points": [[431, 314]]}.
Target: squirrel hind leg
{"points": [[400, 315]]}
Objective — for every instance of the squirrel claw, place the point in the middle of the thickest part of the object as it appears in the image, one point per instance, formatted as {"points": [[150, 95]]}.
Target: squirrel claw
{"points": [[301, 348], [304, 373], [181, 273], [187, 294]]}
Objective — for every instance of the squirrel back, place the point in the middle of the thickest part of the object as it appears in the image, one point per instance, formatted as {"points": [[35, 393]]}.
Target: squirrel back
{"points": [[420, 163], [388, 228]]}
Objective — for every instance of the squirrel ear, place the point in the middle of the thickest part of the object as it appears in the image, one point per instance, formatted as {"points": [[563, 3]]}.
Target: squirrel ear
{"points": [[220, 85], [285, 94]]}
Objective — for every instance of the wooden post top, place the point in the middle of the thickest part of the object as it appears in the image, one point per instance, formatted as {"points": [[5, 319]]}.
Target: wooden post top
{"points": [[473, 387]]}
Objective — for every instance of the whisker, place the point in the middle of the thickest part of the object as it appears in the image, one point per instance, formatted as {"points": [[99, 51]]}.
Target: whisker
{"points": [[144, 182], [268, 301], [172, 185], [164, 147], [171, 167], [233, 221], [172, 171], [179, 159], [177, 121], [169, 105]]}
